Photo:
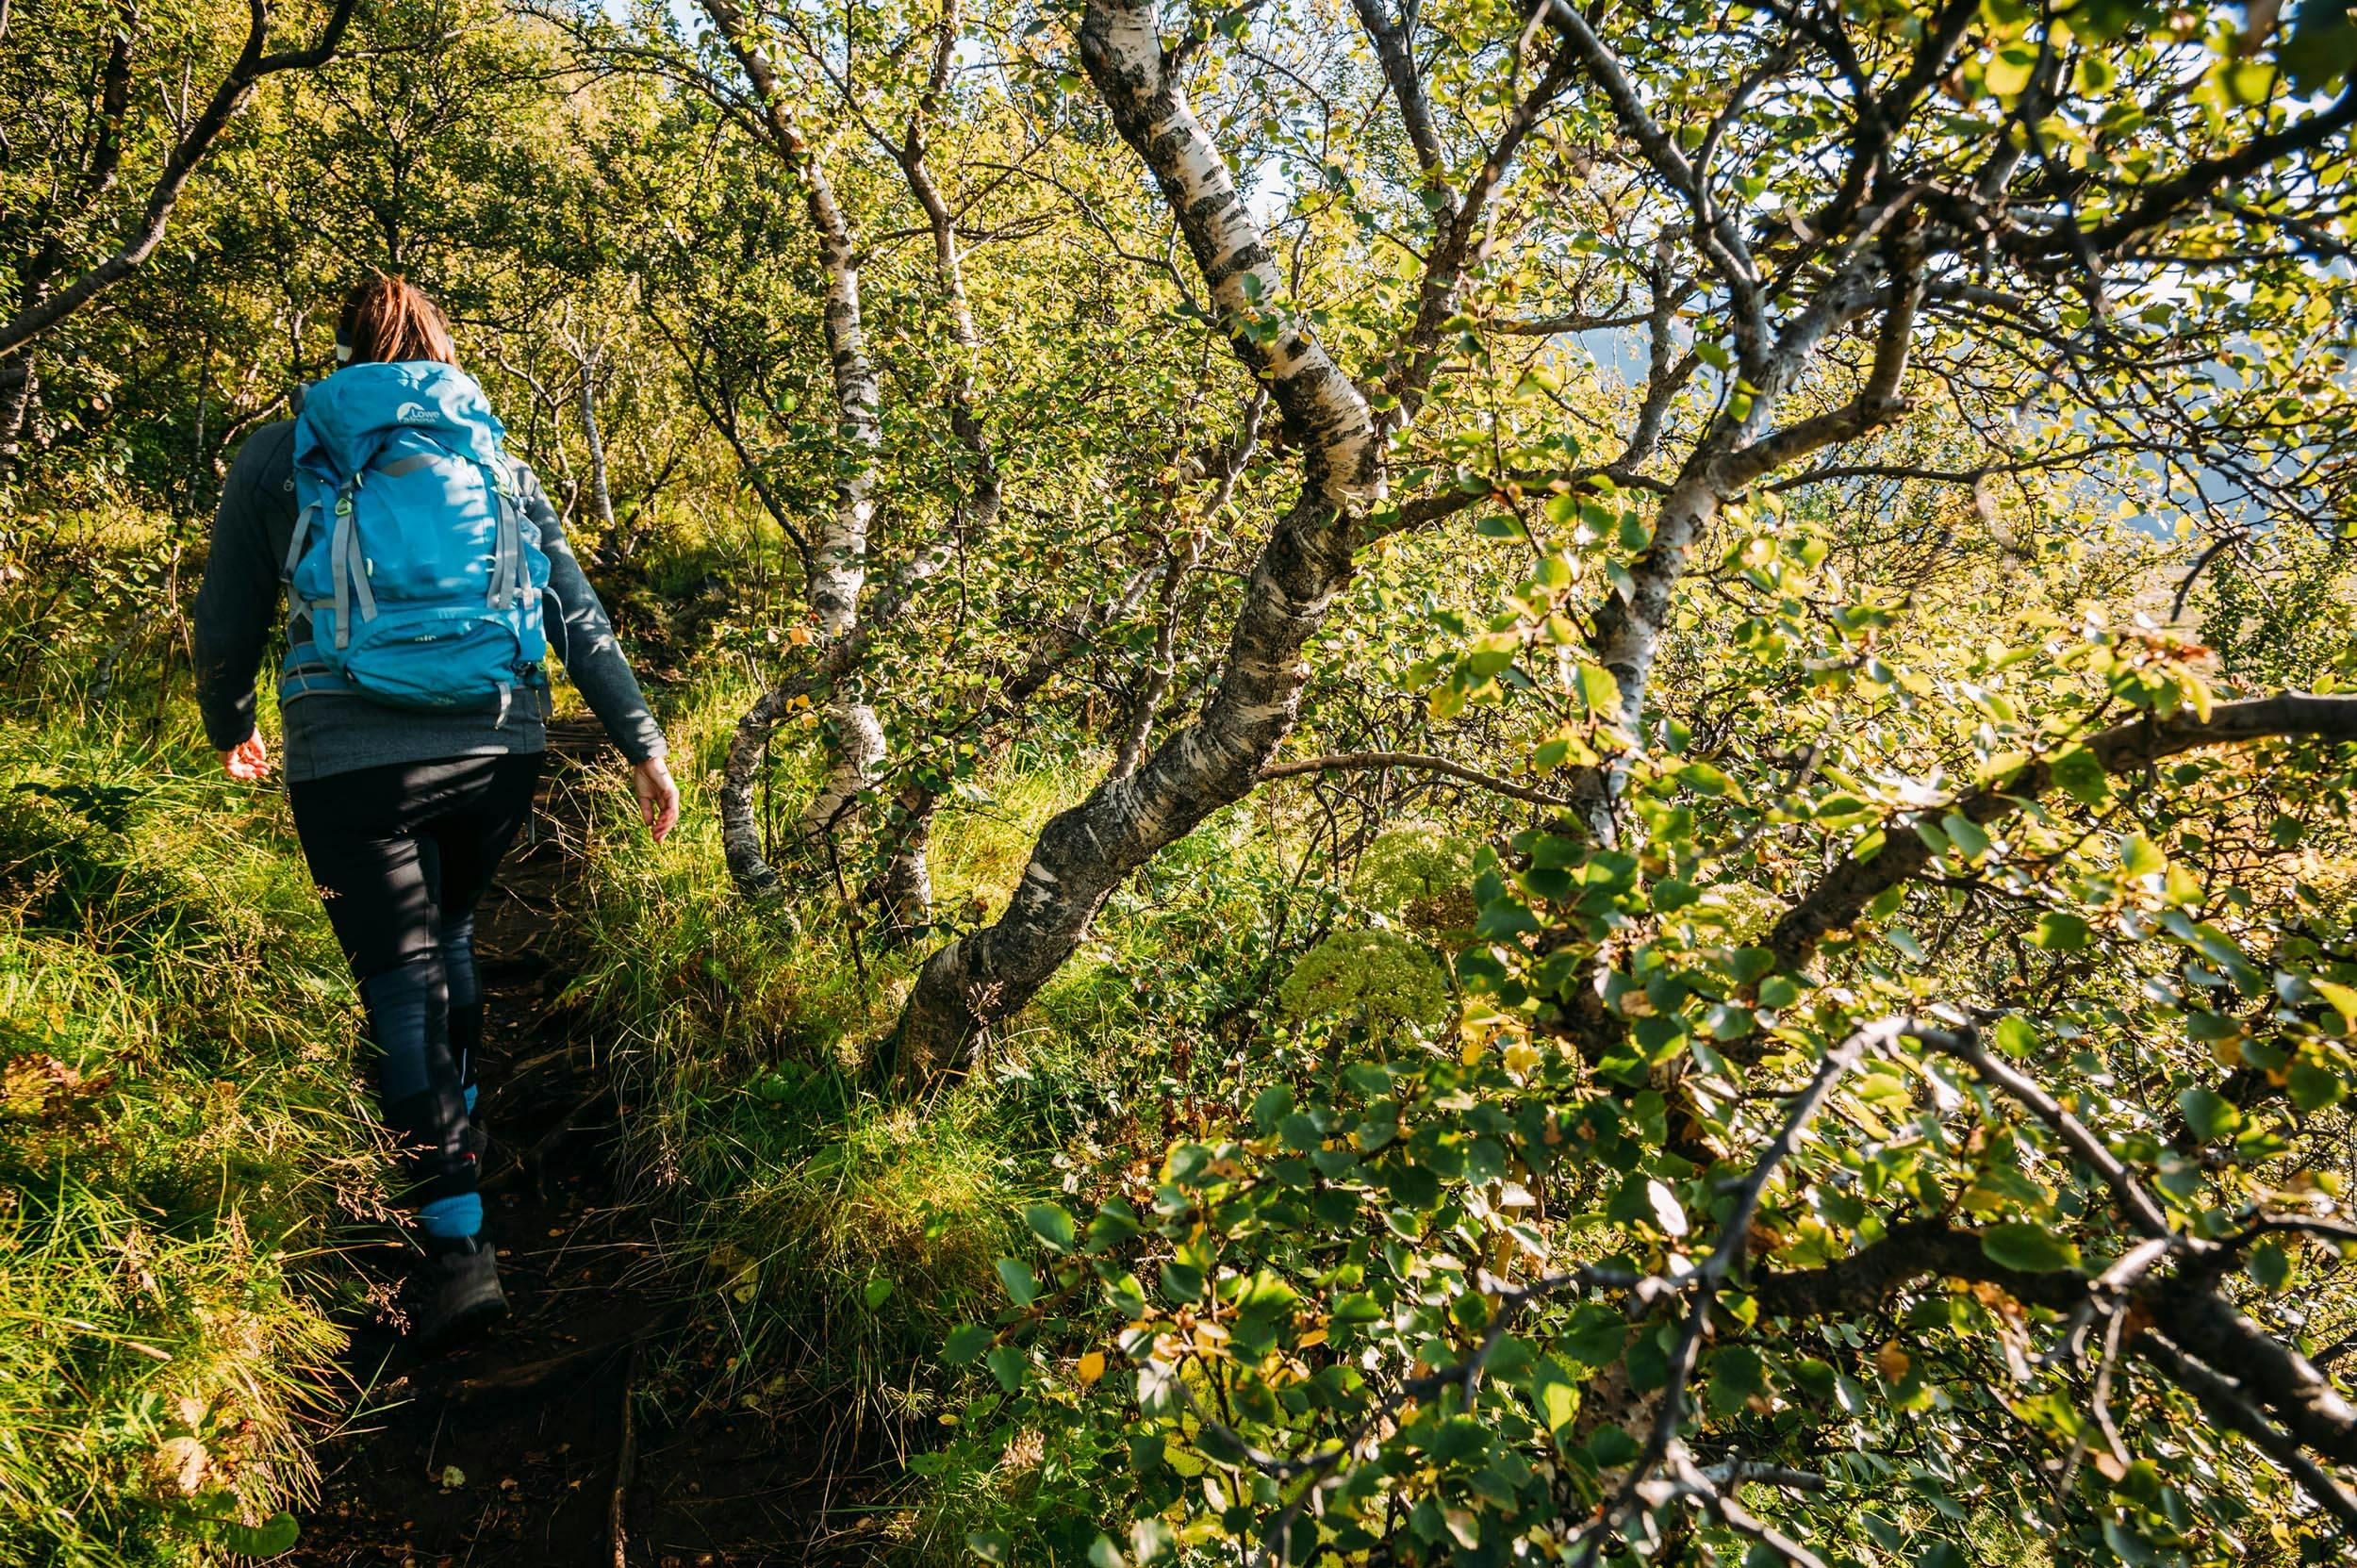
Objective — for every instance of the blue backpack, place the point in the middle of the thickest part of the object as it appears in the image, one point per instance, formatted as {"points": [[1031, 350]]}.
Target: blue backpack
{"points": [[413, 576]]}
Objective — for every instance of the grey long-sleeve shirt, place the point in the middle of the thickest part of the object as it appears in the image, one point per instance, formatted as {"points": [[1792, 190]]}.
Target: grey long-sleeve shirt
{"points": [[241, 604]]}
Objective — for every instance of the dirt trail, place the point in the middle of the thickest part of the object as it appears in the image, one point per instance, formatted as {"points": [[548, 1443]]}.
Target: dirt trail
{"points": [[507, 1454]]}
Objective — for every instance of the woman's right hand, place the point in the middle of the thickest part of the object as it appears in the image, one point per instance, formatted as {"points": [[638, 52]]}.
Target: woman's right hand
{"points": [[658, 797], [248, 761]]}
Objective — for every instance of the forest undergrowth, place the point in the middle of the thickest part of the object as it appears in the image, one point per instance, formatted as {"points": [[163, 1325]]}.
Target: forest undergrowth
{"points": [[189, 1150], [182, 1149], [832, 1236]]}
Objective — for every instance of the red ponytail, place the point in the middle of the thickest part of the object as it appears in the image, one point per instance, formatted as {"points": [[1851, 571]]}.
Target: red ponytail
{"points": [[389, 319]]}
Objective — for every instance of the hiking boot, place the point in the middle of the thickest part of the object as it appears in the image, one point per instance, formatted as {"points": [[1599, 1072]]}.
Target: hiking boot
{"points": [[465, 1279]]}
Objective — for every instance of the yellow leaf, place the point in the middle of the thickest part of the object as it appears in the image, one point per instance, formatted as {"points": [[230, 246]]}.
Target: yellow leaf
{"points": [[1091, 1367], [1891, 1361]]}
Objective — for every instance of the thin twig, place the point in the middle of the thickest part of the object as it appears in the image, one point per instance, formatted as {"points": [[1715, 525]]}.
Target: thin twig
{"points": [[617, 1507]]}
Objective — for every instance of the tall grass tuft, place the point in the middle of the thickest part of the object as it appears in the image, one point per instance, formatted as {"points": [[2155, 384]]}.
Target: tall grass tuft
{"points": [[178, 1128], [838, 1236]]}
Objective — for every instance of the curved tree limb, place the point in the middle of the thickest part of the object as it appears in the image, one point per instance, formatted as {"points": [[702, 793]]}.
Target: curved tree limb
{"points": [[1843, 893], [195, 144], [1360, 761], [2231, 1408]]}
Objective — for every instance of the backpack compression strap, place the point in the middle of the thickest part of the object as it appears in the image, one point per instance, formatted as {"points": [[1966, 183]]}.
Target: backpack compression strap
{"points": [[346, 569], [349, 568], [507, 549]]}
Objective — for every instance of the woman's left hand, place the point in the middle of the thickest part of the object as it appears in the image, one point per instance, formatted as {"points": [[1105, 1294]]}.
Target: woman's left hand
{"points": [[658, 797]]}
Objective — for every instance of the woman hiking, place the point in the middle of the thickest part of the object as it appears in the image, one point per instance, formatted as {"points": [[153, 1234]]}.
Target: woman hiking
{"points": [[426, 578]]}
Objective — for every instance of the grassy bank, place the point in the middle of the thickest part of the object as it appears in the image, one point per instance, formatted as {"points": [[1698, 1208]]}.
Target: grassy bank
{"points": [[178, 1130], [836, 1237]]}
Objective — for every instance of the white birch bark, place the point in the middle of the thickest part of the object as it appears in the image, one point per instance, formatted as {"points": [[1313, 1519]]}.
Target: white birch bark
{"points": [[838, 562], [1730, 456], [600, 493], [838, 568], [1084, 853]]}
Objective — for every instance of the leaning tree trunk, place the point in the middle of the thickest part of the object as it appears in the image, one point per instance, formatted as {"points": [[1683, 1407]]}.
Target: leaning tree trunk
{"points": [[19, 388], [904, 889], [839, 564], [1085, 851]]}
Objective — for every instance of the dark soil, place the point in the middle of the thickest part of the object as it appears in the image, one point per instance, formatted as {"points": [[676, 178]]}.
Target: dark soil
{"points": [[506, 1452]]}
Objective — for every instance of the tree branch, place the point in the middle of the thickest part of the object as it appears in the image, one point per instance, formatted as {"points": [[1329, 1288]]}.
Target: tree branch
{"points": [[1360, 761], [1843, 893], [187, 154]]}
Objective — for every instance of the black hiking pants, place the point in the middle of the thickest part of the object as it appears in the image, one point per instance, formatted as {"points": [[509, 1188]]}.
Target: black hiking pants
{"points": [[401, 854]]}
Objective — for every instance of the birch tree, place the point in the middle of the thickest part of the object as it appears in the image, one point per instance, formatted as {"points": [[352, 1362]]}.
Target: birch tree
{"points": [[1810, 292], [1919, 1134], [64, 231]]}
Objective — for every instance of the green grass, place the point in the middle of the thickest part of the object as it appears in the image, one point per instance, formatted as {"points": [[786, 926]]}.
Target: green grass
{"points": [[839, 1236], [178, 1129], [832, 1236], [844, 1235]]}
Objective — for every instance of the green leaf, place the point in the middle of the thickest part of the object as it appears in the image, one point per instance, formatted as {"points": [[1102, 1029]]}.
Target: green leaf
{"points": [[2343, 998], [1051, 1225], [1703, 779], [270, 1537], [2058, 932], [1610, 1445], [966, 1341], [2008, 72], [875, 1292], [1966, 833], [2030, 1248], [2016, 1036], [1594, 1337], [1116, 1223], [1736, 1375], [991, 1545], [1182, 1283], [1220, 1445], [2209, 1114], [1599, 691], [1555, 1394], [1022, 1286], [2140, 857], [2079, 772], [1006, 1364], [2314, 1087]]}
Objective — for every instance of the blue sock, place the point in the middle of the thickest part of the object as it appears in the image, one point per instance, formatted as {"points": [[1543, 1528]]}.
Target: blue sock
{"points": [[449, 1218]]}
